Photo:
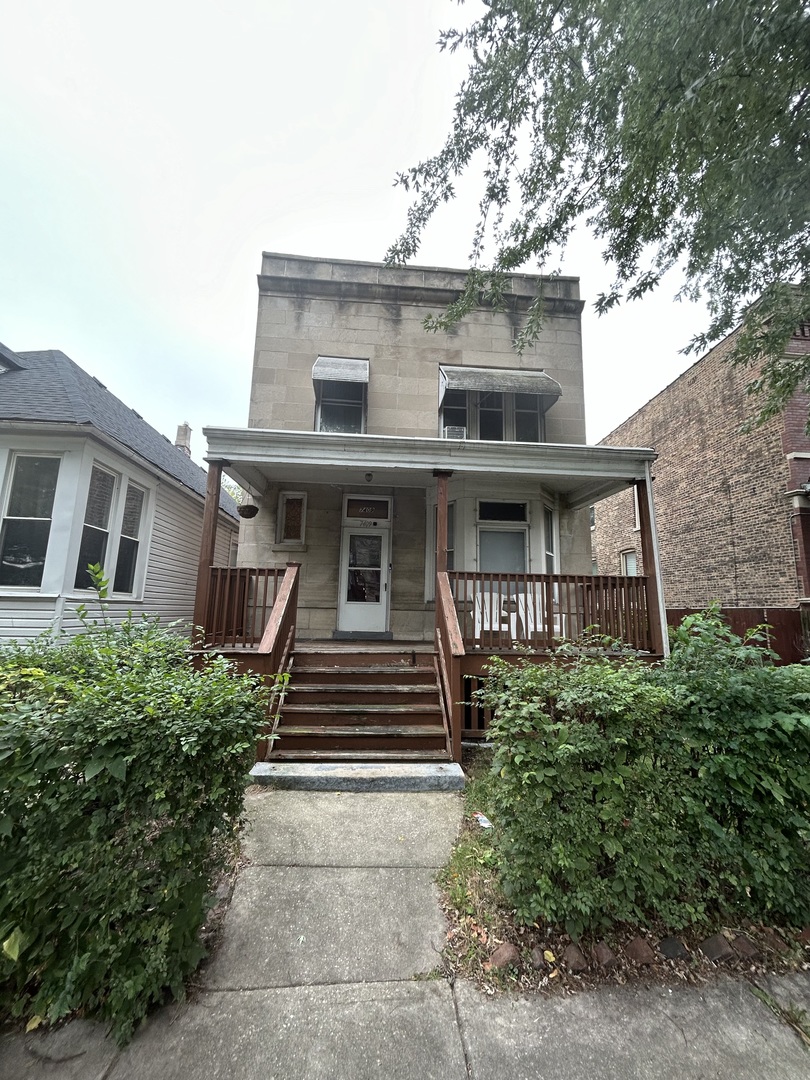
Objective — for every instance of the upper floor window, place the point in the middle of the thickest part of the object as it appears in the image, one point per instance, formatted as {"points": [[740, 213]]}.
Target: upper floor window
{"points": [[493, 416], [494, 404], [341, 406], [27, 520], [340, 394]]}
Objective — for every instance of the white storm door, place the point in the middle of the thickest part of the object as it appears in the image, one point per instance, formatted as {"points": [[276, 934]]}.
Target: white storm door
{"points": [[364, 584]]}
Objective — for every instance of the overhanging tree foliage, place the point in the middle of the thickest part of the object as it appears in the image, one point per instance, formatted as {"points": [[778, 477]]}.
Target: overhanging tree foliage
{"points": [[677, 129]]}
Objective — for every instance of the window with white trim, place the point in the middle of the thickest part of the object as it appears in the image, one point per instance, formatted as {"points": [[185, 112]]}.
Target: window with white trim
{"points": [[27, 520], [550, 540], [112, 532], [629, 561], [503, 532], [129, 543]]}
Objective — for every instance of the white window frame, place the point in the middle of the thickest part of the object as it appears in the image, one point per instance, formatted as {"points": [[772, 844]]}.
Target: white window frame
{"points": [[283, 498], [623, 562], [552, 550], [123, 478], [13, 458], [489, 525]]}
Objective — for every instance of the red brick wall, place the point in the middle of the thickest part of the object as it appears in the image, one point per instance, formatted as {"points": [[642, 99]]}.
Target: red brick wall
{"points": [[725, 527]]}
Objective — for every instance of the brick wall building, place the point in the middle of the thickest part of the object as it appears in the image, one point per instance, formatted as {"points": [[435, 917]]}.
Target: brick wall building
{"points": [[733, 520]]}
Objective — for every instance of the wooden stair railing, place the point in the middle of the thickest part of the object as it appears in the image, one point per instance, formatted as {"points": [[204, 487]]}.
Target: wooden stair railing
{"points": [[449, 657]]}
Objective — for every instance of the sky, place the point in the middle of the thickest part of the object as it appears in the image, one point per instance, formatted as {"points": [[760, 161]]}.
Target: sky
{"points": [[149, 153]]}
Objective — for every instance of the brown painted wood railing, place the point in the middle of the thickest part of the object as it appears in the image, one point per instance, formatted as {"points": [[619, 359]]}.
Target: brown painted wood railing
{"points": [[240, 599], [449, 656], [278, 640], [496, 610]]}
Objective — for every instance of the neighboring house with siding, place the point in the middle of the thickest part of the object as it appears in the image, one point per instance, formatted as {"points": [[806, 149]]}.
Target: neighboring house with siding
{"points": [[86, 480], [732, 507]]}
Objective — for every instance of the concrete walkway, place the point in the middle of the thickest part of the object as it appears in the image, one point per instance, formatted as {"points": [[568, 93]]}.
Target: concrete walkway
{"points": [[316, 978]]}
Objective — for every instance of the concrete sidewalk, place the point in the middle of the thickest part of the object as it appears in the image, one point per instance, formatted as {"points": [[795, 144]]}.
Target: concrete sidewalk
{"points": [[316, 978]]}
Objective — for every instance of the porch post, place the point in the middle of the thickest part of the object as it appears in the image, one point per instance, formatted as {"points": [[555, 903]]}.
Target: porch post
{"points": [[441, 520], [207, 546], [652, 566]]}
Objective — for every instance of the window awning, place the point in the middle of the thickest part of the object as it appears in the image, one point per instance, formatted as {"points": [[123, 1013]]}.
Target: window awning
{"points": [[503, 380], [340, 369]]}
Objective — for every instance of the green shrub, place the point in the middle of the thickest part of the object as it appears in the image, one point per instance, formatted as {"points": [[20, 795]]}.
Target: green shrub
{"points": [[122, 771], [744, 727], [589, 811], [627, 791]]}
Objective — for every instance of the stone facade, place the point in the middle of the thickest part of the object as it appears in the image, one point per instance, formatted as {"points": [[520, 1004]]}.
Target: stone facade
{"points": [[728, 529], [310, 308]]}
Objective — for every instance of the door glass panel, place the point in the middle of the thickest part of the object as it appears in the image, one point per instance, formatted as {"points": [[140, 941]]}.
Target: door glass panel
{"points": [[367, 509], [364, 570], [502, 552]]}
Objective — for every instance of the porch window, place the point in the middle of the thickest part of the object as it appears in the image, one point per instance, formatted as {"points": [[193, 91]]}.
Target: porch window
{"points": [[549, 531], [27, 520], [340, 394], [292, 518], [501, 547]]}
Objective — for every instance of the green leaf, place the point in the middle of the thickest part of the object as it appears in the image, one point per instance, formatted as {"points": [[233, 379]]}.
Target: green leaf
{"points": [[118, 768], [14, 944]]}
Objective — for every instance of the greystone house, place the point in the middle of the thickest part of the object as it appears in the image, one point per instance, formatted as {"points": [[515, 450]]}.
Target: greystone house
{"points": [[416, 497]]}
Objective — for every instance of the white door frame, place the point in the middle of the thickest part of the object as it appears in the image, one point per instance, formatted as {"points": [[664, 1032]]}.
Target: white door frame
{"points": [[364, 595]]}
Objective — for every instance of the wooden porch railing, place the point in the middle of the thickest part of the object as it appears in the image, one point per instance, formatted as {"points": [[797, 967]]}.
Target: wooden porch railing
{"points": [[496, 610], [449, 658], [240, 599]]}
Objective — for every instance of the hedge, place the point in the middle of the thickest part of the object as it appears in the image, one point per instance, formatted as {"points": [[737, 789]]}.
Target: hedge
{"points": [[122, 771]]}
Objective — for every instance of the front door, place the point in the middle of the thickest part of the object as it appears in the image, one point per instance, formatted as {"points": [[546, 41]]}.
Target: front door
{"points": [[365, 546]]}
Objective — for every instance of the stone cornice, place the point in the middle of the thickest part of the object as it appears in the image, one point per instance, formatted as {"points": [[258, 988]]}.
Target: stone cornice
{"points": [[380, 292]]}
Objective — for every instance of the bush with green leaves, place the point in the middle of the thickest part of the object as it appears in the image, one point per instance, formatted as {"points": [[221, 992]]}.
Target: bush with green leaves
{"points": [[122, 771], [743, 726], [589, 809], [631, 791]]}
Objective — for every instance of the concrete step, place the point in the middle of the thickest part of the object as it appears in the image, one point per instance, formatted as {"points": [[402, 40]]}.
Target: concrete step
{"points": [[410, 772]]}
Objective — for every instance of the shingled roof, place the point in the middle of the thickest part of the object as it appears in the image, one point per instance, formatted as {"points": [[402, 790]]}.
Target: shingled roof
{"points": [[48, 387]]}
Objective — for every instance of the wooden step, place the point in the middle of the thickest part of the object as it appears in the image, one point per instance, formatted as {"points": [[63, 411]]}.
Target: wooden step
{"points": [[401, 674], [357, 715], [333, 740], [371, 694], [359, 730], [356, 658], [398, 754]]}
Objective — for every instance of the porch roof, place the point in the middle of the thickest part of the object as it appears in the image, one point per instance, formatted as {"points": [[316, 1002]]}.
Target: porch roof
{"points": [[580, 474]]}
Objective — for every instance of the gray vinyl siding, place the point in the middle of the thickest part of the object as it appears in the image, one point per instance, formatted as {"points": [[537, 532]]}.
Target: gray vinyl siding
{"points": [[26, 617], [171, 580]]}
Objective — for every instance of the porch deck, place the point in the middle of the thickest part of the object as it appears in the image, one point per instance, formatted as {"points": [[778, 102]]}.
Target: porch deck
{"points": [[400, 700]]}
